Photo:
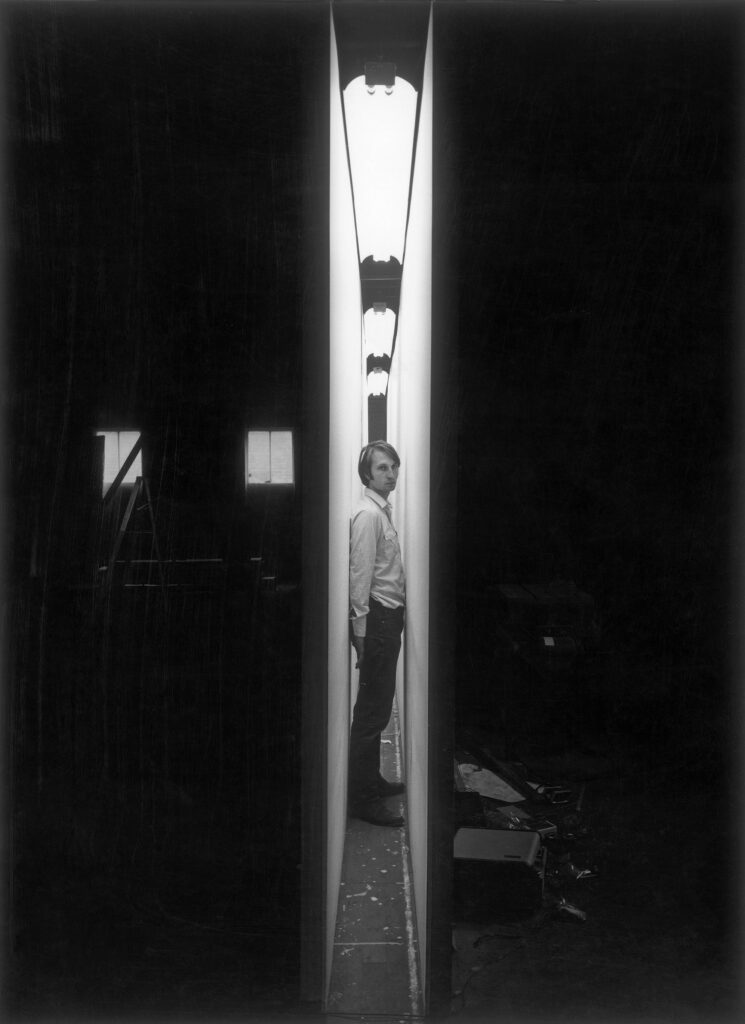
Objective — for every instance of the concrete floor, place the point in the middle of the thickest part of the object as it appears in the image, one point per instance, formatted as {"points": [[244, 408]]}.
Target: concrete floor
{"points": [[375, 964], [215, 936], [658, 941]]}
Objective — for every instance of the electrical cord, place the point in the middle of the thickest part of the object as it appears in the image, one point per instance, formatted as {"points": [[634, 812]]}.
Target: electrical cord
{"points": [[393, 1018], [507, 933], [460, 993]]}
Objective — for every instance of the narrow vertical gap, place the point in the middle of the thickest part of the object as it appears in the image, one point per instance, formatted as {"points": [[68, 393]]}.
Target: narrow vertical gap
{"points": [[369, 971]]}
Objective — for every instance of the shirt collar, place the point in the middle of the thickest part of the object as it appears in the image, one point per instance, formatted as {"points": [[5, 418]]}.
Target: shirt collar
{"points": [[370, 493]]}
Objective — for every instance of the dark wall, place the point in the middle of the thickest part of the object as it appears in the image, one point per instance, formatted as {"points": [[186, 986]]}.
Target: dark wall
{"points": [[161, 166], [158, 168], [596, 152]]}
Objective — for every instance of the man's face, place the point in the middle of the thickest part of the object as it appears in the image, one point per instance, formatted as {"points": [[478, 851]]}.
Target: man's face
{"points": [[383, 473]]}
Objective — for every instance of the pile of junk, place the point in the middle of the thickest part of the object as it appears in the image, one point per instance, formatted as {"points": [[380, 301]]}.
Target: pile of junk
{"points": [[521, 843]]}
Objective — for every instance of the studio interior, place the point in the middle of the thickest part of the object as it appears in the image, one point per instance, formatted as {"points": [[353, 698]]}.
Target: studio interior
{"points": [[176, 844]]}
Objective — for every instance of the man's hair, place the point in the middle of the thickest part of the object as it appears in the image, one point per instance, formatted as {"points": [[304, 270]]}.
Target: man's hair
{"points": [[364, 466]]}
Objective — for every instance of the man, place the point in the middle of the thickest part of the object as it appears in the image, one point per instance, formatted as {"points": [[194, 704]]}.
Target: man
{"points": [[377, 597]]}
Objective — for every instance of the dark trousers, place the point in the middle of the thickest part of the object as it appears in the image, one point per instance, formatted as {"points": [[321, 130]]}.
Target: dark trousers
{"points": [[374, 699]]}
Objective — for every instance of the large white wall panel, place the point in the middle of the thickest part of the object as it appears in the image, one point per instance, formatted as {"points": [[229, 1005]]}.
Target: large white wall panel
{"points": [[345, 440], [409, 430]]}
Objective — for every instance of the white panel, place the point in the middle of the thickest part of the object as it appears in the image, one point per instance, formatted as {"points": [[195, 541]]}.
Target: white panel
{"points": [[281, 457], [345, 440], [258, 458], [409, 416]]}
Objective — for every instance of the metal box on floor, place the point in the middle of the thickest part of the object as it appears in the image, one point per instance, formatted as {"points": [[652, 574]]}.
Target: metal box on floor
{"points": [[499, 845], [497, 874]]}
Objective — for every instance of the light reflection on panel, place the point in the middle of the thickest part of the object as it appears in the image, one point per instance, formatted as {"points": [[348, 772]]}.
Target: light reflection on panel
{"points": [[379, 327], [380, 135], [377, 382]]}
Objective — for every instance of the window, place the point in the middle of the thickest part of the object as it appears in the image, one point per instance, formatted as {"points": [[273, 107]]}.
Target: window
{"points": [[117, 446], [269, 458]]}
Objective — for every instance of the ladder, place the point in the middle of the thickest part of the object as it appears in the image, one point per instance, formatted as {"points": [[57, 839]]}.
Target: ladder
{"points": [[141, 489]]}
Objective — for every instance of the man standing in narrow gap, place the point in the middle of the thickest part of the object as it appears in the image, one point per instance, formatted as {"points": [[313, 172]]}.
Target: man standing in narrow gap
{"points": [[377, 595]]}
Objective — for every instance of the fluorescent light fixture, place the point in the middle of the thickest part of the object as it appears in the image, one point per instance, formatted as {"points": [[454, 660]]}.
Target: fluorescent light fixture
{"points": [[379, 327], [380, 138], [117, 446], [377, 382], [269, 457]]}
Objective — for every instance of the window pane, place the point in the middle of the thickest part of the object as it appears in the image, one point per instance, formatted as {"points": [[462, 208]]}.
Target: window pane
{"points": [[281, 457], [127, 441], [110, 455], [258, 466], [269, 457], [117, 446]]}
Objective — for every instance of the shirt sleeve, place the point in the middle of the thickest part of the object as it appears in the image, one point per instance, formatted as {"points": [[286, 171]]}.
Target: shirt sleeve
{"points": [[362, 550]]}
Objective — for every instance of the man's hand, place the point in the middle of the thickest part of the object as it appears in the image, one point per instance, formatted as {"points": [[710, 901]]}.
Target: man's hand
{"points": [[358, 642]]}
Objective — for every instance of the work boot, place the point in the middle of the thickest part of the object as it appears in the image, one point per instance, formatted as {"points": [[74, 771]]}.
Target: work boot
{"points": [[386, 788], [376, 813]]}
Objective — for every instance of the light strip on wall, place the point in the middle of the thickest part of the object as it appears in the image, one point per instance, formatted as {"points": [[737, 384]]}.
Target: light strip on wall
{"points": [[379, 328], [380, 137], [377, 383]]}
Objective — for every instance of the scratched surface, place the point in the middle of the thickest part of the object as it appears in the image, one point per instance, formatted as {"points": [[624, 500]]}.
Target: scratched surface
{"points": [[375, 957]]}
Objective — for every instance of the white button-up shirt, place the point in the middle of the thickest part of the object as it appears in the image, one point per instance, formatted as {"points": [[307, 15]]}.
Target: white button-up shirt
{"points": [[375, 566]]}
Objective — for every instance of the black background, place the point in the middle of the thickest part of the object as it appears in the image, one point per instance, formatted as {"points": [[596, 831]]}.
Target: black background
{"points": [[164, 176], [596, 232]]}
